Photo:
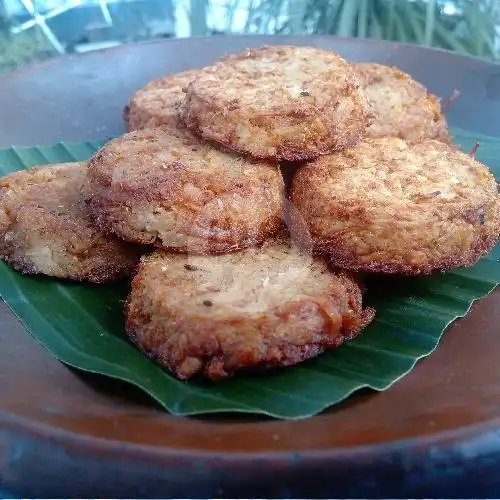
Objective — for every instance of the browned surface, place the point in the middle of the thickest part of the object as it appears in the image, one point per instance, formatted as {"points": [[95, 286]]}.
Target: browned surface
{"points": [[402, 107], [170, 189], [259, 308], [103, 88], [390, 206], [283, 103], [45, 227], [157, 103], [445, 392], [455, 391]]}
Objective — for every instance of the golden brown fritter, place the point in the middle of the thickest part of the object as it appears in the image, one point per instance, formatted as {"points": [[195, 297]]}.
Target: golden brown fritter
{"points": [[401, 106], [392, 207], [169, 189], [262, 307], [45, 229], [279, 102], [157, 103]]}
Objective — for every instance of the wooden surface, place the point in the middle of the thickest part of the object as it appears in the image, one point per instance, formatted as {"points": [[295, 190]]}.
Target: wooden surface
{"points": [[65, 433]]}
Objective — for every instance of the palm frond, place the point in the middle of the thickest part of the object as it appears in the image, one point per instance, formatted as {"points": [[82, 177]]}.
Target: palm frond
{"points": [[430, 21], [363, 18], [348, 16], [469, 27]]}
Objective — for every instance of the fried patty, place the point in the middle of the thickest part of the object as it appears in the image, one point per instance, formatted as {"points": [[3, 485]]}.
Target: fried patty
{"points": [[278, 102], [401, 106], [389, 206], [157, 103], [45, 229], [169, 189], [262, 307]]}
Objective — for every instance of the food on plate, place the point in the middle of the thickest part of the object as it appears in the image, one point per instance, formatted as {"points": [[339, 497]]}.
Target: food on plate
{"points": [[373, 184], [402, 107], [157, 103], [263, 307], [279, 103], [168, 188], [389, 206], [45, 229]]}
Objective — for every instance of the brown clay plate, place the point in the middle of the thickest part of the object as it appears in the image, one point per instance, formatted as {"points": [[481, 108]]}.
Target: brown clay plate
{"points": [[65, 433]]}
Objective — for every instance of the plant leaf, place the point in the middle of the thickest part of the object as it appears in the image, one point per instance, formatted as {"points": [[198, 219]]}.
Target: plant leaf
{"points": [[82, 325], [363, 19], [348, 17], [430, 21], [416, 23], [296, 11]]}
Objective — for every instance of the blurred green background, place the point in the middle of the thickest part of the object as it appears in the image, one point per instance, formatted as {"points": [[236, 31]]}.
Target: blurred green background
{"points": [[34, 30]]}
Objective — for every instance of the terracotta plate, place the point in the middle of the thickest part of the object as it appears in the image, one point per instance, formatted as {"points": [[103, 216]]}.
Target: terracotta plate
{"points": [[64, 433]]}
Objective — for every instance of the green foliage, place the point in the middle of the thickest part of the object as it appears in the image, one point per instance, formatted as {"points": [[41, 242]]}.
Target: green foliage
{"points": [[467, 26], [23, 48], [82, 325]]}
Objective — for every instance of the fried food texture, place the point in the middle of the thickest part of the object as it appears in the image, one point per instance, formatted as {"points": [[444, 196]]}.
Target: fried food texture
{"points": [[279, 103], [401, 106], [172, 190], [45, 228], [260, 308], [391, 207], [157, 104]]}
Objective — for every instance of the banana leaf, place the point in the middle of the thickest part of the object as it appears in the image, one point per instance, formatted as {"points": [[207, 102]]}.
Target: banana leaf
{"points": [[82, 325]]}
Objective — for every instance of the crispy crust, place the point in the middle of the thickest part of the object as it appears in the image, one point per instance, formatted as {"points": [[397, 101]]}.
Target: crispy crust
{"points": [[45, 229], [387, 206], [157, 103], [259, 308], [401, 106], [279, 102], [169, 189]]}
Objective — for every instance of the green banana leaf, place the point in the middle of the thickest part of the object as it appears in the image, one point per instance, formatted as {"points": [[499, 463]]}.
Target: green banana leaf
{"points": [[82, 325]]}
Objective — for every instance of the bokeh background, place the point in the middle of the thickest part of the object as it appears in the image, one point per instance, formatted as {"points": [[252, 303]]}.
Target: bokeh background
{"points": [[35, 30]]}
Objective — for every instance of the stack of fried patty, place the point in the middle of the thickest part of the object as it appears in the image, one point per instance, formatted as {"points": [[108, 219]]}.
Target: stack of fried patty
{"points": [[237, 271]]}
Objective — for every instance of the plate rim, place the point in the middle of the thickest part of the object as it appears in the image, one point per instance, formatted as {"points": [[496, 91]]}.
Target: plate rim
{"points": [[447, 439]]}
